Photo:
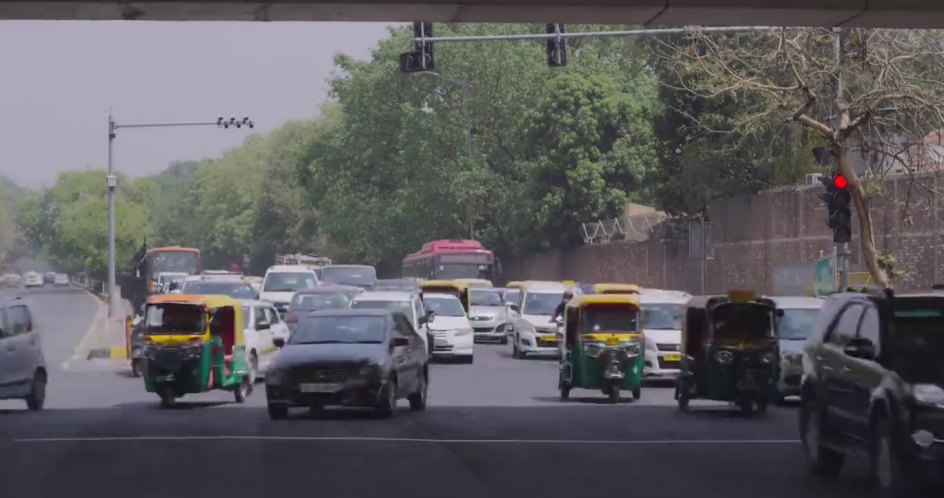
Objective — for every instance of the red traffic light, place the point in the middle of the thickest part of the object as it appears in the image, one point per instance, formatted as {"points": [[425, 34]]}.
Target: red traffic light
{"points": [[840, 182]]}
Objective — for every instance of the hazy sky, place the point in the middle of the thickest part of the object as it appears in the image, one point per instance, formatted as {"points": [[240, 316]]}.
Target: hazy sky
{"points": [[58, 80]]}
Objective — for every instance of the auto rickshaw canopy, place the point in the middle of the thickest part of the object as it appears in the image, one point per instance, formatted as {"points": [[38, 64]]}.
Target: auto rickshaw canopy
{"points": [[476, 282], [696, 326], [611, 288], [456, 288], [226, 310], [624, 302], [514, 284]]}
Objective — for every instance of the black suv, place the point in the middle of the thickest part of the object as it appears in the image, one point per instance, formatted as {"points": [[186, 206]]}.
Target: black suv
{"points": [[873, 382]]}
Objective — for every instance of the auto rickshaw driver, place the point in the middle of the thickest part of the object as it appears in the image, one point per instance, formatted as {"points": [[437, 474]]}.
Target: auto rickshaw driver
{"points": [[559, 311]]}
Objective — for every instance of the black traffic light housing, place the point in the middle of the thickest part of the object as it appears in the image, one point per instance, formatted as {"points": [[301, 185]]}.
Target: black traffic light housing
{"points": [[838, 200], [557, 46], [421, 58]]}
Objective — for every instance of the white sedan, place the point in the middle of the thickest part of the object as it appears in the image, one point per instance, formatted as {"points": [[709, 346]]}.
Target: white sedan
{"points": [[450, 327], [262, 324]]}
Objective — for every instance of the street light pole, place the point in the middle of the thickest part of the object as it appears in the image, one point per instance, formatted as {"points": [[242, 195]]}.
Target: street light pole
{"points": [[469, 125], [112, 183]]}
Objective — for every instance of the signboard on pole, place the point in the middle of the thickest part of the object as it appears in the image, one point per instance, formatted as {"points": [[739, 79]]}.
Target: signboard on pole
{"points": [[824, 276]]}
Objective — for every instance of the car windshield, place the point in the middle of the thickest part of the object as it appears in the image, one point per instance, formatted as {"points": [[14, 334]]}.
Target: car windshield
{"points": [[361, 276], [916, 344], [236, 290], [796, 323], [541, 303], [404, 307], [662, 316], [288, 281], [608, 319], [512, 295], [486, 298], [444, 305], [315, 302], [174, 318], [340, 330], [742, 320]]}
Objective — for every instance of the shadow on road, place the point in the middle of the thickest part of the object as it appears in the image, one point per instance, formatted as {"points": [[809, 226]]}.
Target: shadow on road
{"points": [[590, 400], [179, 405], [547, 358]]}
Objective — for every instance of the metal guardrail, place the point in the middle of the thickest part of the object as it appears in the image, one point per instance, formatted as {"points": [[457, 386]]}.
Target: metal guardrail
{"points": [[638, 227]]}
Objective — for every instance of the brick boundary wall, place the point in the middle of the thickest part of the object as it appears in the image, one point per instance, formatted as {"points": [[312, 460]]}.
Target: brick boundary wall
{"points": [[766, 241]]}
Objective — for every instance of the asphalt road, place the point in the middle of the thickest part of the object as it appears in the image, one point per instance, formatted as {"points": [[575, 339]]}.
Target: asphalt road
{"points": [[494, 428]]}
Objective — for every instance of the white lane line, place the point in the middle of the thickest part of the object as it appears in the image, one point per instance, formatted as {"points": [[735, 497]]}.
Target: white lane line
{"points": [[406, 440]]}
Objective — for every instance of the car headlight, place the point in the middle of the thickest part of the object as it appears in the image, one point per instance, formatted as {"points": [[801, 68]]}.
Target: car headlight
{"points": [[768, 357], [633, 349], [592, 349], [928, 394], [463, 332], [724, 357], [370, 370], [651, 344]]}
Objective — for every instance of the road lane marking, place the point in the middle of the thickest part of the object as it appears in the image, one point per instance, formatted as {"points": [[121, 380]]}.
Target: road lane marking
{"points": [[405, 440]]}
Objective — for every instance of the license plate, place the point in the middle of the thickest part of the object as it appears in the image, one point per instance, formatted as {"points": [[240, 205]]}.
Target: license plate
{"points": [[165, 378], [672, 357], [548, 340], [440, 342], [319, 388]]}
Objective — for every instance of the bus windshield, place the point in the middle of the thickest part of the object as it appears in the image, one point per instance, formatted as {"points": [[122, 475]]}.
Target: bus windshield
{"points": [[173, 261]]}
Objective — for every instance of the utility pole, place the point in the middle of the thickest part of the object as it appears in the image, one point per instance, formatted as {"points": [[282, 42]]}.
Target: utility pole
{"points": [[112, 183]]}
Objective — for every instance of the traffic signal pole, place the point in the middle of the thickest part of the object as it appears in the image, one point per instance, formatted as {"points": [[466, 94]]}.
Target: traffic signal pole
{"points": [[842, 248]]}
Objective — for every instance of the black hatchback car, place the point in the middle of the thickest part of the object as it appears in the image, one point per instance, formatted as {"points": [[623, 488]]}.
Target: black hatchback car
{"points": [[873, 382], [359, 358]]}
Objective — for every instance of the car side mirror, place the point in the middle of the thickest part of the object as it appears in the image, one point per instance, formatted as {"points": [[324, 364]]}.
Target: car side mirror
{"points": [[860, 348], [399, 341], [278, 342]]}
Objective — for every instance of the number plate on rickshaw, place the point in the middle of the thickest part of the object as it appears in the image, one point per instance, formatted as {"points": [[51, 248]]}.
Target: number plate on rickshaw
{"points": [[313, 387], [550, 341], [672, 357]]}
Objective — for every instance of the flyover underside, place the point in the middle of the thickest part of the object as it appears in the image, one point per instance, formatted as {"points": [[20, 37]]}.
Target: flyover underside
{"points": [[867, 13]]}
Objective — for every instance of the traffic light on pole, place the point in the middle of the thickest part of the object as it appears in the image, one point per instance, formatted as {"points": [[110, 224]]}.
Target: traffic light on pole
{"points": [[837, 199], [421, 58], [556, 46]]}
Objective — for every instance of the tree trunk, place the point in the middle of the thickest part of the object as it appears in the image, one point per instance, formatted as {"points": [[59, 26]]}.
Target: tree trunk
{"points": [[864, 214]]}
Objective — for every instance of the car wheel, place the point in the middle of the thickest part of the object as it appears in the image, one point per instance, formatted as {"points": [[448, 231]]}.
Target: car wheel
{"points": [[637, 393], [277, 412], [885, 468], [168, 397], [469, 359], [682, 396], [564, 393], [388, 405], [820, 460], [137, 369], [37, 395], [418, 399]]}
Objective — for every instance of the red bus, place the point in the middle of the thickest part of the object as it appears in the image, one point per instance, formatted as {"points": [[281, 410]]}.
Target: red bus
{"points": [[451, 259]]}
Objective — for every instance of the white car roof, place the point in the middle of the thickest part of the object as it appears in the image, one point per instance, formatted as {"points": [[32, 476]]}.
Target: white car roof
{"points": [[545, 287], [384, 296], [256, 302], [289, 269], [797, 302]]}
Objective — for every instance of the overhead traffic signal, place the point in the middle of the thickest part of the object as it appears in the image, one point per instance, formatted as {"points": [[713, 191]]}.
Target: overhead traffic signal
{"points": [[837, 199], [421, 58], [556, 46]]}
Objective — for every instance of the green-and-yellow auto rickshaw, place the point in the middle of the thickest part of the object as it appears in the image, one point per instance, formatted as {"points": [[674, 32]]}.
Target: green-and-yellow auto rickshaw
{"points": [[194, 344], [457, 288], [602, 345], [729, 351], [616, 289]]}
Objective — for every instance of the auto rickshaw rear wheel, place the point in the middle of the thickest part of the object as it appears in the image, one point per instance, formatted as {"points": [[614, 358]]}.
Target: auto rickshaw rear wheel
{"points": [[746, 405], [681, 395], [136, 370], [637, 393], [277, 412], [564, 393], [168, 397], [243, 390], [614, 393]]}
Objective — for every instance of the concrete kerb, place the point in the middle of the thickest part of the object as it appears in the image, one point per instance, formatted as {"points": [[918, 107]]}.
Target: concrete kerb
{"points": [[105, 338]]}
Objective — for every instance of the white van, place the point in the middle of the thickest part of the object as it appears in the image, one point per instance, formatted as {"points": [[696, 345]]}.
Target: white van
{"points": [[283, 281]]}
